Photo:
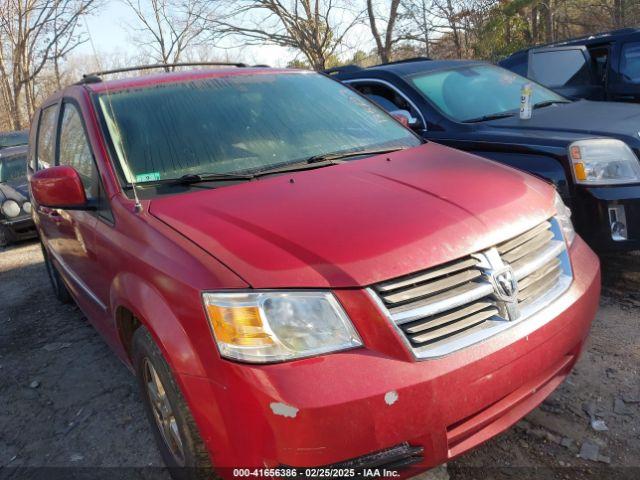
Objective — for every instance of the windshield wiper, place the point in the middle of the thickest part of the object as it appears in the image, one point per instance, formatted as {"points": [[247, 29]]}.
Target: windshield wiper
{"points": [[493, 116], [294, 167], [342, 155], [316, 161], [322, 160], [209, 177], [549, 103]]}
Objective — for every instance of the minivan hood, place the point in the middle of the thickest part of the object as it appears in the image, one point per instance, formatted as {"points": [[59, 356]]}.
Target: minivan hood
{"points": [[360, 222], [612, 119]]}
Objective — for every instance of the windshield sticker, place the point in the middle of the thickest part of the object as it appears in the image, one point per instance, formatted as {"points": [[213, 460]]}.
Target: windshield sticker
{"points": [[148, 177]]}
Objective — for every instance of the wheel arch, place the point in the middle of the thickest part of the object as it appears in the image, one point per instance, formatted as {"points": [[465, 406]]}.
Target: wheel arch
{"points": [[136, 303]]}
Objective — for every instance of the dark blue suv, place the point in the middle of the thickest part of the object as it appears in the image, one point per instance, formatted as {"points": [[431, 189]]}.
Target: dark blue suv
{"points": [[604, 66], [589, 150]]}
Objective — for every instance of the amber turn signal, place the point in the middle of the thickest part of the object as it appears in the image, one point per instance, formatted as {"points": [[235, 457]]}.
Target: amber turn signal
{"points": [[241, 326]]}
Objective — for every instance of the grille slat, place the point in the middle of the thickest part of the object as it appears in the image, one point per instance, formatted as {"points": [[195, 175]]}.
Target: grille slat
{"points": [[455, 297], [437, 320], [452, 305], [431, 288], [520, 239], [455, 327], [540, 286], [429, 275], [529, 247], [538, 274]]}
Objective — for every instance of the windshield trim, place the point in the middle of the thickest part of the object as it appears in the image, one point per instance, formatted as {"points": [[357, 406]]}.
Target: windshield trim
{"points": [[411, 76]]}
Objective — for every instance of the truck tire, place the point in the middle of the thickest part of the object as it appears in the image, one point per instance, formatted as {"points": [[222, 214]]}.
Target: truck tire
{"points": [[175, 431]]}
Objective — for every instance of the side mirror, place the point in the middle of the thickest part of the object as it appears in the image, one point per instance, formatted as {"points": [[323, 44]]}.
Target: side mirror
{"points": [[405, 118], [59, 187]]}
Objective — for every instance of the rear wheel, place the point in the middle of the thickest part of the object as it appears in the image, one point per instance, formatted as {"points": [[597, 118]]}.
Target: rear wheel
{"points": [[177, 436], [59, 289]]}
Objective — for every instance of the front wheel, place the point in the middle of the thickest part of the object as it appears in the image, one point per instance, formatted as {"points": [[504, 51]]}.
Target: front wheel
{"points": [[177, 436]]}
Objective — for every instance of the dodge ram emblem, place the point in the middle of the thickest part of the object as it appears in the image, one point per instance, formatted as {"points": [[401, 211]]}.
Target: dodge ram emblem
{"points": [[505, 285]]}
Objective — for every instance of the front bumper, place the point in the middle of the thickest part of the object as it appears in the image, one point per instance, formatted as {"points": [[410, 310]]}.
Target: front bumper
{"points": [[333, 408], [21, 228], [592, 215]]}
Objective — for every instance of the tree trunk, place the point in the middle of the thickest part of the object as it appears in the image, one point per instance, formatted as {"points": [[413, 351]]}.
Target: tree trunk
{"points": [[535, 34], [548, 21]]}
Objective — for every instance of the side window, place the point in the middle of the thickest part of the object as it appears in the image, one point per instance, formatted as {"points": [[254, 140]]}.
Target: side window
{"points": [[600, 62], [74, 150], [560, 68], [630, 62], [46, 137], [386, 97]]}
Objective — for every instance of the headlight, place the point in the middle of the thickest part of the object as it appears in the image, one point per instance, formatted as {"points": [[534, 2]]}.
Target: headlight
{"points": [[26, 206], [563, 215], [10, 208], [274, 326], [603, 161]]}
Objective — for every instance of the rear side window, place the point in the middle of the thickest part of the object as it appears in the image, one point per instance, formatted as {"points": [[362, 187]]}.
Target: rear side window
{"points": [[46, 137], [75, 151], [600, 63], [560, 68], [630, 62]]}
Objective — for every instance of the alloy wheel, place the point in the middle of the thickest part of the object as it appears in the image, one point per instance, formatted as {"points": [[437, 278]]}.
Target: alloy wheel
{"points": [[163, 412]]}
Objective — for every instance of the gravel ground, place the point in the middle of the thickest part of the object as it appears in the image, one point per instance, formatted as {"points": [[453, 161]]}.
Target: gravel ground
{"points": [[66, 401]]}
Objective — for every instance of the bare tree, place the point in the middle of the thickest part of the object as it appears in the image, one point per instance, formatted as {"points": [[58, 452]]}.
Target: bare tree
{"points": [[33, 34], [169, 27], [421, 26], [316, 28], [384, 43], [452, 12]]}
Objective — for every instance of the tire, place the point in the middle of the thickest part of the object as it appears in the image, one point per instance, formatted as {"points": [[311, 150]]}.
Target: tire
{"points": [[59, 288], [190, 460], [4, 236]]}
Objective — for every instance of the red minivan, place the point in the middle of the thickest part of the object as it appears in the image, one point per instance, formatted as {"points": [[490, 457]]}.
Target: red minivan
{"points": [[301, 285]]}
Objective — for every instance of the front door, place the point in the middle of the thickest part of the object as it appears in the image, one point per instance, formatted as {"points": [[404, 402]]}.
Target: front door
{"points": [[73, 248]]}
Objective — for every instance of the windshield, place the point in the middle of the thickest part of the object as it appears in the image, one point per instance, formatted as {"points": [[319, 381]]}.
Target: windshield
{"points": [[241, 124], [13, 168], [476, 91]]}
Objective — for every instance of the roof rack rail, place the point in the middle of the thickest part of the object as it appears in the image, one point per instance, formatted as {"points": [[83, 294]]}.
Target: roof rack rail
{"points": [[95, 77], [342, 69]]}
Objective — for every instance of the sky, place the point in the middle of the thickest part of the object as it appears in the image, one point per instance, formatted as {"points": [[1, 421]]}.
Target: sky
{"points": [[107, 30]]}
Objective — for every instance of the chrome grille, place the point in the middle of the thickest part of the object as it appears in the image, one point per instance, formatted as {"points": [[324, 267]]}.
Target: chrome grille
{"points": [[451, 306]]}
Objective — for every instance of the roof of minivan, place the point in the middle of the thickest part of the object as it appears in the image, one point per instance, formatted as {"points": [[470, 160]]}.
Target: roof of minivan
{"points": [[182, 76]]}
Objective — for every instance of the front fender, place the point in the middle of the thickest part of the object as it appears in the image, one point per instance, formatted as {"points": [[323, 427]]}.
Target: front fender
{"points": [[148, 305], [203, 395]]}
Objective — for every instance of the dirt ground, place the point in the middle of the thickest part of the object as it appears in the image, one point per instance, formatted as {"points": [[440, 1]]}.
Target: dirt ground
{"points": [[66, 401]]}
